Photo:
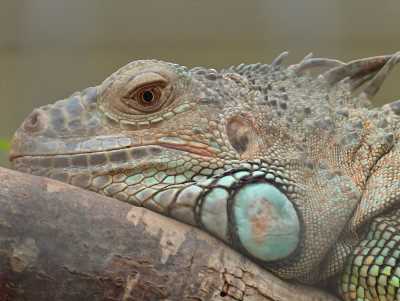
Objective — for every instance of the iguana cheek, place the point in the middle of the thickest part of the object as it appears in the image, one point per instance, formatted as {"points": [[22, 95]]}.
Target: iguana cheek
{"points": [[267, 224]]}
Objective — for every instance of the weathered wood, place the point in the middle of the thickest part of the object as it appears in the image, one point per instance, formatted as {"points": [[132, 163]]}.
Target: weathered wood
{"points": [[59, 242]]}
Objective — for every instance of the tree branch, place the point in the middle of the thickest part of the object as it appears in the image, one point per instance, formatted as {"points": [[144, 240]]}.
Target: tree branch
{"points": [[59, 242]]}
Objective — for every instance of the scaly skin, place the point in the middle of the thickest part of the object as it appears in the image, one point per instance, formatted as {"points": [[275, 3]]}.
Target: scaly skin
{"points": [[292, 170]]}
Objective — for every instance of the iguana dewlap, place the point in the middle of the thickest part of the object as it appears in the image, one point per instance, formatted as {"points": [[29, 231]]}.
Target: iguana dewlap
{"points": [[292, 169]]}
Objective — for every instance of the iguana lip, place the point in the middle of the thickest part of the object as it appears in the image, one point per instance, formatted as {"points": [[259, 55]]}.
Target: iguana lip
{"points": [[183, 148], [24, 146]]}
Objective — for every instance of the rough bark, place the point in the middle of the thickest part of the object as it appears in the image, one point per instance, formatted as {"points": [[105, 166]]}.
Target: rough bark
{"points": [[59, 242]]}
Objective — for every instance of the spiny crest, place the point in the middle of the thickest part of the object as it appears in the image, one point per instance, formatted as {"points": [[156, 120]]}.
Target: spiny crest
{"points": [[343, 81], [303, 99], [370, 71], [306, 99]]}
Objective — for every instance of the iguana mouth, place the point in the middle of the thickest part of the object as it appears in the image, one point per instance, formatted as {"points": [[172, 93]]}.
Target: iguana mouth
{"points": [[129, 154], [201, 151]]}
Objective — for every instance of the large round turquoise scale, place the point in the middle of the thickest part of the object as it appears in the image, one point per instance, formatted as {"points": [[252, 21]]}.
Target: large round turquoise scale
{"points": [[266, 222], [213, 213]]}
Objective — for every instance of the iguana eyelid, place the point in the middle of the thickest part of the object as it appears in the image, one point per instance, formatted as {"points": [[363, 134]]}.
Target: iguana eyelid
{"points": [[148, 79], [149, 86]]}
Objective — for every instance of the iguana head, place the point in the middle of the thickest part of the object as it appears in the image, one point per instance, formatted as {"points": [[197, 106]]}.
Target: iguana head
{"points": [[148, 115], [154, 126], [144, 115]]}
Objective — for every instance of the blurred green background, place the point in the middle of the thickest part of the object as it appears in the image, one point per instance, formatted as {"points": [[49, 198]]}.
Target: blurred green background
{"points": [[49, 49]]}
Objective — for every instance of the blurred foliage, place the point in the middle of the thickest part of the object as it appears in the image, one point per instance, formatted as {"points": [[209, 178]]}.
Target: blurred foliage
{"points": [[4, 148], [4, 145]]}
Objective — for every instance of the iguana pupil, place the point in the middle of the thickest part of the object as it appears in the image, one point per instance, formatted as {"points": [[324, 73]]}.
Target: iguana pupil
{"points": [[147, 96]]}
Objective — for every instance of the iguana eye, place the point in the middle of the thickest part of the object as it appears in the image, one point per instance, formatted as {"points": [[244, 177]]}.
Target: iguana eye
{"points": [[130, 95], [148, 98]]}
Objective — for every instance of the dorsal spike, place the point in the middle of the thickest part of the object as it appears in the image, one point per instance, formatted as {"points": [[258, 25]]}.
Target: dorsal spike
{"points": [[311, 63], [355, 69], [376, 82], [308, 56], [279, 59], [359, 81]]}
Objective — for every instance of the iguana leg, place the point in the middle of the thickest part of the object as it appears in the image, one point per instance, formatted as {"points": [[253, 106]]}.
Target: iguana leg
{"points": [[244, 207], [372, 271]]}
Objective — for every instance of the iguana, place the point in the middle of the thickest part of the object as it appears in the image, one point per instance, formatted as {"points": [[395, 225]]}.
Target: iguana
{"points": [[289, 165]]}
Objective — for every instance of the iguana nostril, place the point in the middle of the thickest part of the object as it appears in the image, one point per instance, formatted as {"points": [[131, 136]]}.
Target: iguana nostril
{"points": [[34, 123]]}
